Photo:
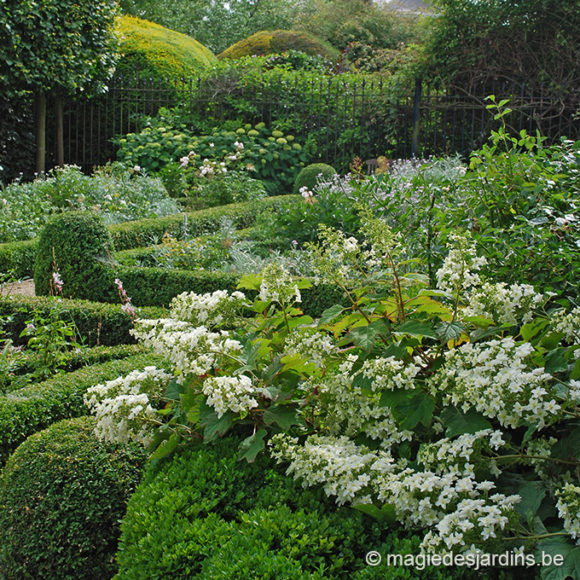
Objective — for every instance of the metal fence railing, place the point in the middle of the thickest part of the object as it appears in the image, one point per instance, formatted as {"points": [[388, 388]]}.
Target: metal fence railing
{"points": [[343, 120]]}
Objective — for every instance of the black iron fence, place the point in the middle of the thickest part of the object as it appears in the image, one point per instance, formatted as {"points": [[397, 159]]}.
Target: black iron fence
{"points": [[338, 119]]}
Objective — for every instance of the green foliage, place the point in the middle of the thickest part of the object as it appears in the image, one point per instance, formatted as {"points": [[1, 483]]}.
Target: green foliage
{"points": [[202, 514], [114, 192], [35, 407], [77, 245], [62, 494], [277, 41], [96, 323], [57, 45], [312, 174], [153, 51], [17, 258], [473, 44]]}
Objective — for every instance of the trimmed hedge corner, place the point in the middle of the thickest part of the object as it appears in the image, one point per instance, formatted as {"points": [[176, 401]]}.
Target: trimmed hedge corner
{"points": [[33, 408], [62, 494]]}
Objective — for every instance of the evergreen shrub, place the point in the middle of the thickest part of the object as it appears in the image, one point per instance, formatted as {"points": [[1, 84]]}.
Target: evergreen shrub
{"points": [[62, 494]]}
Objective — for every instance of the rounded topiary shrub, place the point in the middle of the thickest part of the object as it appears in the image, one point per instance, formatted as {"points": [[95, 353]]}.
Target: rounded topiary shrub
{"points": [[152, 51], [310, 175], [204, 514], [278, 41], [62, 494], [77, 245]]}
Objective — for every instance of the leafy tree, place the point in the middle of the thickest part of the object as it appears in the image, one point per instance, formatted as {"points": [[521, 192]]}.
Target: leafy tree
{"points": [[55, 47], [476, 43]]}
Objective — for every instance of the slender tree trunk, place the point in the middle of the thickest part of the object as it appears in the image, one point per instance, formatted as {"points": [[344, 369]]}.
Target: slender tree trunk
{"points": [[59, 132], [40, 106]]}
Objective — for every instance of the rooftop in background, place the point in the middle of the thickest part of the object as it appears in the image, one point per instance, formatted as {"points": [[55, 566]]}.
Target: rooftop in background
{"points": [[416, 6]]}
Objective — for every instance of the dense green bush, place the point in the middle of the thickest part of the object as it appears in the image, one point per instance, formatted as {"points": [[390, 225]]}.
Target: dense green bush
{"points": [[277, 41], [76, 245], [17, 258], [35, 407], [115, 192], [95, 323], [202, 514], [312, 174], [62, 494], [153, 51]]}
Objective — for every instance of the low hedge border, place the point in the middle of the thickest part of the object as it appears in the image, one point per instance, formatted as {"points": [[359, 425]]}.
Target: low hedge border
{"points": [[17, 258], [97, 323], [34, 408], [157, 286], [140, 233], [72, 361]]}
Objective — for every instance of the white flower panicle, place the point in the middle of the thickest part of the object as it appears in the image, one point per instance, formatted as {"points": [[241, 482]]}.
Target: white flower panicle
{"points": [[390, 373], [568, 324], [311, 344], [460, 267], [124, 407], [191, 350], [278, 286], [504, 304], [235, 394], [569, 509], [494, 378], [210, 310]]}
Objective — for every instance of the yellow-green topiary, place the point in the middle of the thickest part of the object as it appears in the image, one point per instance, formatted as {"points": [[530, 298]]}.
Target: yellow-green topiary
{"points": [[277, 41], [153, 51]]}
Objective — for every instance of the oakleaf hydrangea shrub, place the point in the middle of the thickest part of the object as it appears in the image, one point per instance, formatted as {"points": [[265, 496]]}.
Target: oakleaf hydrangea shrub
{"points": [[435, 406]]}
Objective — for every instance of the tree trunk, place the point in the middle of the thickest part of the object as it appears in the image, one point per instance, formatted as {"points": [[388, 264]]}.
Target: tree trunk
{"points": [[59, 132], [40, 106]]}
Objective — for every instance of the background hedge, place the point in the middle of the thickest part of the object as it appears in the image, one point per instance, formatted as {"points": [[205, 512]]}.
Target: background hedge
{"points": [[62, 494]]}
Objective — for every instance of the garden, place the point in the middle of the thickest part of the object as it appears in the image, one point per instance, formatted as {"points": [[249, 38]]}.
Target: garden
{"points": [[239, 358]]}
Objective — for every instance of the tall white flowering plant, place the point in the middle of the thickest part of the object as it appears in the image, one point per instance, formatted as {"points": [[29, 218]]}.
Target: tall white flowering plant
{"points": [[453, 410]]}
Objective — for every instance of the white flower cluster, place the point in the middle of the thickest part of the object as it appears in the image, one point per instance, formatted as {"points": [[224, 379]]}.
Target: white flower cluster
{"points": [[504, 304], [344, 469], [234, 394], [207, 309], [311, 344], [458, 455], [460, 266], [390, 373], [277, 285], [347, 410], [494, 378], [452, 503], [306, 193], [123, 407], [191, 350], [568, 324], [569, 509], [478, 519]]}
